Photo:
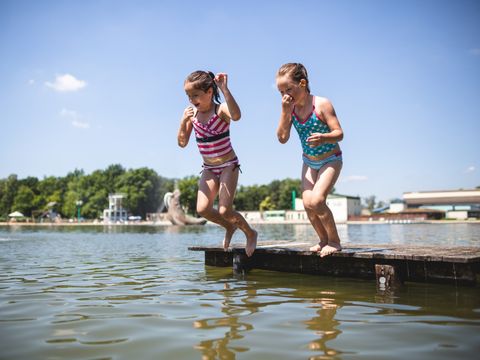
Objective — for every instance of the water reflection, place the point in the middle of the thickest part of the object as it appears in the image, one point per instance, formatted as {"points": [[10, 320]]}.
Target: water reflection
{"points": [[325, 326], [139, 293], [280, 310], [233, 322]]}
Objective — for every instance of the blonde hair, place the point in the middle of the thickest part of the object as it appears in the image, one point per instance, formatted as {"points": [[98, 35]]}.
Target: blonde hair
{"points": [[296, 72]]}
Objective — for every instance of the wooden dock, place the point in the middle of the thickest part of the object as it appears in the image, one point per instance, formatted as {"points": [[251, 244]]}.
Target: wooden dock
{"points": [[389, 264]]}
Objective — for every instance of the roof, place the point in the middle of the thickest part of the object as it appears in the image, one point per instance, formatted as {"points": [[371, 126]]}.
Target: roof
{"points": [[422, 211], [344, 196], [380, 209], [448, 197]]}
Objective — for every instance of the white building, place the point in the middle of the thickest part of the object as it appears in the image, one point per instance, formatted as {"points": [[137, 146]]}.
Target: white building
{"points": [[115, 212], [342, 207], [396, 207], [458, 204]]}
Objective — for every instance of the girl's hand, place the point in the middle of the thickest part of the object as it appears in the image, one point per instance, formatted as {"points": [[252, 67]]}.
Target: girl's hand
{"points": [[221, 81], [188, 114], [316, 139], [287, 103]]}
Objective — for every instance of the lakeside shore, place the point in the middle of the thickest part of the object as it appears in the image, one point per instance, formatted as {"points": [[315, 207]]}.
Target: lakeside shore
{"points": [[253, 222]]}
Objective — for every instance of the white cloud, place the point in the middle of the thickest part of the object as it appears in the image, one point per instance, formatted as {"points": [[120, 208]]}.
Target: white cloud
{"points": [[80, 124], [470, 169], [352, 178], [31, 82], [75, 119], [65, 83], [68, 113]]}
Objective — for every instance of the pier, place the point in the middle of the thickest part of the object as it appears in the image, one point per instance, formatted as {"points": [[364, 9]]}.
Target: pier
{"points": [[390, 264]]}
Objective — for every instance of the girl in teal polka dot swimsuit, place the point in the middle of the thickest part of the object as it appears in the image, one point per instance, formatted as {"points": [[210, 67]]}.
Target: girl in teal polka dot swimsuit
{"points": [[319, 130]]}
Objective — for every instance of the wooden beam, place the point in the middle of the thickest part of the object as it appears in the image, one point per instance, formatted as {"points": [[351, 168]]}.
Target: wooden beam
{"points": [[454, 265]]}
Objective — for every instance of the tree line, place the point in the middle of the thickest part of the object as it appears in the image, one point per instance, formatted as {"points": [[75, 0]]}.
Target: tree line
{"points": [[143, 188]]}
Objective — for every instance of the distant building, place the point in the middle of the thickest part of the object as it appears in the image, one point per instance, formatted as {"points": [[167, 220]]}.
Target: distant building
{"points": [[252, 215], [343, 207], [274, 215], [457, 204], [397, 207], [115, 212]]}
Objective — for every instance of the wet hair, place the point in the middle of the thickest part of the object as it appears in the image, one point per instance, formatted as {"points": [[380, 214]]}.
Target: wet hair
{"points": [[204, 80], [296, 72]]}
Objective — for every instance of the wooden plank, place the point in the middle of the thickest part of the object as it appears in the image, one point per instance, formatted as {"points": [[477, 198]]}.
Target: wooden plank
{"points": [[456, 265], [400, 252], [387, 277]]}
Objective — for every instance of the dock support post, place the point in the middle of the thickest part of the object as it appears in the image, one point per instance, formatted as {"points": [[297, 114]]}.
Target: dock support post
{"points": [[387, 277], [241, 263]]}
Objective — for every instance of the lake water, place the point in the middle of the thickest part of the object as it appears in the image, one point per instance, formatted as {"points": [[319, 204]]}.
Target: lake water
{"points": [[138, 293]]}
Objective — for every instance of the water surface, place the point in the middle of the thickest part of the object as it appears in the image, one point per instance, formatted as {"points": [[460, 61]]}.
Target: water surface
{"points": [[138, 293]]}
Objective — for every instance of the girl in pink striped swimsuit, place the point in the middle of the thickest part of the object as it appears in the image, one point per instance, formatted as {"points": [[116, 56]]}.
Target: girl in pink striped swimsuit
{"points": [[211, 123]]}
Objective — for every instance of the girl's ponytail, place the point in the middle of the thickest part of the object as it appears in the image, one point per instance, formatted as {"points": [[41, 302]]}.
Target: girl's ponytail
{"points": [[204, 80], [216, 94]]}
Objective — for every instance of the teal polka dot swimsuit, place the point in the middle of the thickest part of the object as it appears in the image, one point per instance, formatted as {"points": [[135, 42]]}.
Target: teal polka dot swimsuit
{"points": [[305, 128]]}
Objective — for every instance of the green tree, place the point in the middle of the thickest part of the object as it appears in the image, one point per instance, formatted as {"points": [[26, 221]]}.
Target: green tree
{"points": [[49, 190], [8, 191], [267, 204], [23, 200], [248, 198], [142, 190], [188, 187], [111, 176], [72, 193], [283, 199], [3, 211]]}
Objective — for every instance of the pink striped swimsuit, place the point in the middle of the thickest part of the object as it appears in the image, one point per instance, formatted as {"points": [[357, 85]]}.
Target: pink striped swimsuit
{"points": [[213, 140]]}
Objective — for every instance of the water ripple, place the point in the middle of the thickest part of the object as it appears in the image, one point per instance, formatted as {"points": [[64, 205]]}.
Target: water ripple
{"points": [[122, 294]]}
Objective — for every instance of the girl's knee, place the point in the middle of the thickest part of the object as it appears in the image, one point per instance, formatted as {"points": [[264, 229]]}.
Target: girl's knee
{"points": [[320, 202], [315, 203], [226, 212], [223, 210], [203, 210]]}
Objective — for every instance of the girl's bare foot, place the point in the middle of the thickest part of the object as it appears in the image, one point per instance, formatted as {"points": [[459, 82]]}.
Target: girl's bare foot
{"points": [[251, 243], [318, 247], [228, 237], [330, 249]]}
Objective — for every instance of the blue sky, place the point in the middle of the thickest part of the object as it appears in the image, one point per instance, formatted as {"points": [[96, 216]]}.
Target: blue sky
{"points": [[86, 84]]}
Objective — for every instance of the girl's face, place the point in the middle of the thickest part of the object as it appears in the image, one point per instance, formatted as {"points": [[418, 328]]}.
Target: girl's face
{"points": [[202, 100], [287, 86]]}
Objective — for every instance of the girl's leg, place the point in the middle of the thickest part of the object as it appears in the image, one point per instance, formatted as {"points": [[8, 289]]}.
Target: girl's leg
{"points": [[308, 182], [314, 198], [207, 191], [228, 186], [319, 229]]}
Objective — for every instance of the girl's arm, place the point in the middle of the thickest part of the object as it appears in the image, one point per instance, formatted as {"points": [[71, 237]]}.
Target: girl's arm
{"points": [[230, 108], [185, 127], [328, 115], [285, 124]]}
